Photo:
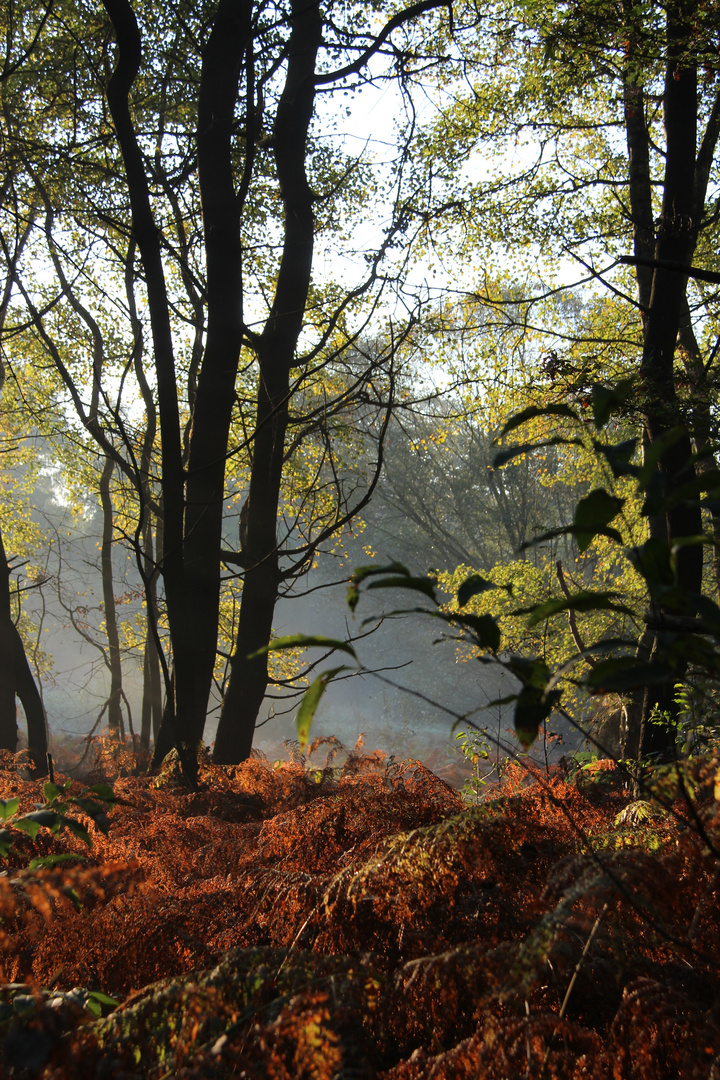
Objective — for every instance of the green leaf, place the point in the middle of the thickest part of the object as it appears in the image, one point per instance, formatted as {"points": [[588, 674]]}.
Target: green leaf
{"points": [[532, 708], [78, 829], [53, 860], [363, 572], [89, 807], [484, 628], [51, 791], [6, 839], [580, 601], [73, 896], [8, 809], [44, 819], [593, 514], [97, 1002], [607, 399], [619, 456], [534, 411], [653, 560], [104, 792], [707, 483], [28, 826], [424, 585], [625, 673], [305, 641], [531, 671], [471, 586], [310, 702], [503, 456]]}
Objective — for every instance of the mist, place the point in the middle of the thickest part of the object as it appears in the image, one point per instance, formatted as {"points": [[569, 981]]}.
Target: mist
{"points": [[416, 690]]}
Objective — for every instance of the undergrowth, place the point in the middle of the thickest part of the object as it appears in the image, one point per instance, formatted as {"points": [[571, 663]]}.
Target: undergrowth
{"points": [[360, 920]]}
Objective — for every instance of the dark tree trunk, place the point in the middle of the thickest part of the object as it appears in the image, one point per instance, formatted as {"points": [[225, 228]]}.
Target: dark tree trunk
{"points": [[8, 715], [17, 678], [662, 294], [151, 711], [702, 423], [276, 354], [115, 721], [184, 709], [676, 236], [249, 676]]}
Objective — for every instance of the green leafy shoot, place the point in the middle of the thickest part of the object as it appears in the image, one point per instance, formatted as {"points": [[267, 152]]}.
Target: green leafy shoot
{"points": [[619, 456], [607, 400], [424, 585], [54, 815], [310, 701], [534, 411], [46, 862], [305, 641], [623, 673], [593, 515], [474, 585], [504, 456], [580, 601], [363, 572], [98, 1003]]}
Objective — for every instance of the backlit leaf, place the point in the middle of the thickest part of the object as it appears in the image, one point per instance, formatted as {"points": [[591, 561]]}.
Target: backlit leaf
{"points": [[310, 701]]}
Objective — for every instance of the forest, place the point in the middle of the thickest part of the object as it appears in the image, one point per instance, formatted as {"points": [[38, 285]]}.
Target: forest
{"points": [[360, 539]]}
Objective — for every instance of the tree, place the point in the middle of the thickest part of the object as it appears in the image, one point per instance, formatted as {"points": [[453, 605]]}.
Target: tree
{"points": [[199, 196], [16, 678], [441, 502], [617, 112]]}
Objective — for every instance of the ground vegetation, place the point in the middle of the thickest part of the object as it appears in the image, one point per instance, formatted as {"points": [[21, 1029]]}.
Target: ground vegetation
{"points": [[348, 915]]}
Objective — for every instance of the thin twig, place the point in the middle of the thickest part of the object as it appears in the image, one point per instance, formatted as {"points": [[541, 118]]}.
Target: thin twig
{"points": [[571, 986]]}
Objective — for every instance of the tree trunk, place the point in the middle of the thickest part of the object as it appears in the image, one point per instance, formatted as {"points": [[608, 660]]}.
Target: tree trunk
{"points": [[8, 715], [151, 713], [115, 721], [662, 295], [676, 236], [17, 678], [249, 674], [702, 422], [276, 354]]}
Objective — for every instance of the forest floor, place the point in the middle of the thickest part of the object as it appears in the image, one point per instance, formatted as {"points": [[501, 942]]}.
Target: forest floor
{"points": [[365, 922]]}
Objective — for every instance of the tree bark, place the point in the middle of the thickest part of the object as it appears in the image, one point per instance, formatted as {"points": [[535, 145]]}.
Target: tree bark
{"points": [[17, 678], [276, 354], [185, 708], [115, 721], [676, 237], [8, 714], [151, 710]]}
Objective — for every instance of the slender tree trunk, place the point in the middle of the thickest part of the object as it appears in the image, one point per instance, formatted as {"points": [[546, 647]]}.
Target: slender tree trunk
{"points": [[115, 721], [8, 715], [151, 711], [27, 690], [17, 678], [185, 708]]}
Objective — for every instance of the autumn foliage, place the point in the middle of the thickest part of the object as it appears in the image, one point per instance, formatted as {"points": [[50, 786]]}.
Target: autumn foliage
{"points": [[360, 921]]}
